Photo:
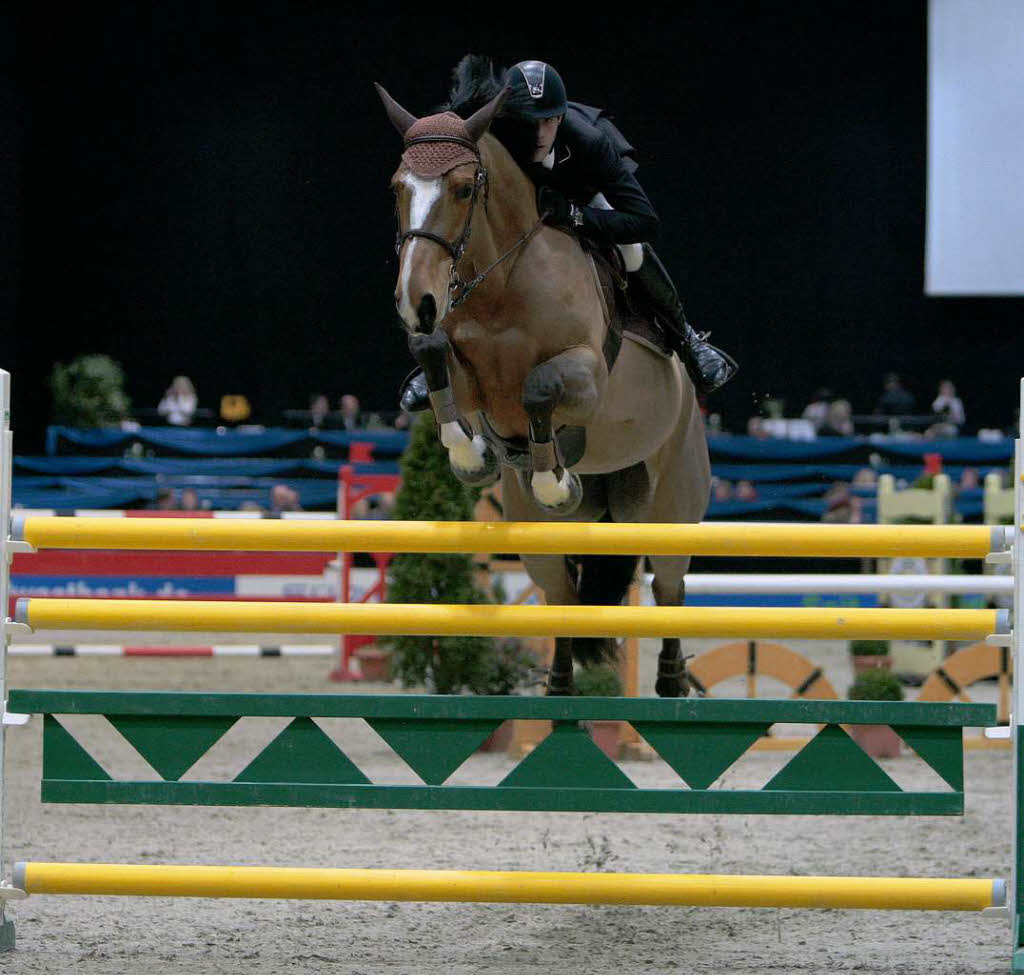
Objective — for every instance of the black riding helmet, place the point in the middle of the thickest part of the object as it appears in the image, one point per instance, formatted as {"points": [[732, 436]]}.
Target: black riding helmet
{"points": [[536, 91]]}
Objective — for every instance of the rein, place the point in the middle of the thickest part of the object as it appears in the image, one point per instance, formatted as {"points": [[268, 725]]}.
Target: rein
{"points": [[458, 290]]}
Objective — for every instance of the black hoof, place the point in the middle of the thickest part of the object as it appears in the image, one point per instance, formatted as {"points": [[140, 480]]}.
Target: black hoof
{"points": [[486, 476], [560, 685], [672, 680], [414, 396]]}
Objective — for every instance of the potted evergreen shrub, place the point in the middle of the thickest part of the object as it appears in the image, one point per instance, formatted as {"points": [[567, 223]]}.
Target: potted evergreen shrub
{"points": [[870, 655], [879, 741], [430, 492], [602, 680], [89, 392]]}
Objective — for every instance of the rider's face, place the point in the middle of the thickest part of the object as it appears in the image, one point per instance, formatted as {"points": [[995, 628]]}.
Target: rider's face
{"points": [[547, 128]]}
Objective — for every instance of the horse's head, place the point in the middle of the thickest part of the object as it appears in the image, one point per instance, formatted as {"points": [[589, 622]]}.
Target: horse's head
{"points": [[437, 188]]}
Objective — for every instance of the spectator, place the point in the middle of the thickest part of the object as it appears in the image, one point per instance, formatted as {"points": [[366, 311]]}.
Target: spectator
{"points": [[839, 422], [403, 421], [895, 400], [179, 403], [283, 498], [969, 479], [817, 410], [319, 411], [866, 477], [745, 491], [351, 417], [189, 499], [949, 411], [165, 500], [841, 505], [721, 490], [755, 428]]}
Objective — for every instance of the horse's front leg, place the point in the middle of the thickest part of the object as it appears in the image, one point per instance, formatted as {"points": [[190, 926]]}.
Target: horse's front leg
{"points": [[672, 679], [472, 459], [568, 382]]}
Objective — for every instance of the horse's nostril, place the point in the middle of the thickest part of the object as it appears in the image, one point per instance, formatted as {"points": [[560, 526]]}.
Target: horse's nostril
{"points": [[426, 313]]}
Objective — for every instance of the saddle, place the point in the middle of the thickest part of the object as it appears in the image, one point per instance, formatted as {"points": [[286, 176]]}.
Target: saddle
{"points": [[626, 311]]}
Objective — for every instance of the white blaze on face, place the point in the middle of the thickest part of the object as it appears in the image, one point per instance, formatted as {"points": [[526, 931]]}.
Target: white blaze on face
{"points": [[425, 194]]}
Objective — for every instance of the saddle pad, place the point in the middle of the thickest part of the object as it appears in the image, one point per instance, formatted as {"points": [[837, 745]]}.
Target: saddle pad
{"points": [[627, 313]]}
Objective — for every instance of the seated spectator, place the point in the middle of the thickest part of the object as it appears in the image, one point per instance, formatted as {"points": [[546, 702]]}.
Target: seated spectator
{"points": [[969, 479], [949, 412], [403, 421], [189, 499], [841, 505], [817, 410], [319, 411], [745, 491], [283, 498], [721, 490], [839, 421], [895, 400], [351, 417], [179, 403], [866, 477], [165, 500], [756, 428]]}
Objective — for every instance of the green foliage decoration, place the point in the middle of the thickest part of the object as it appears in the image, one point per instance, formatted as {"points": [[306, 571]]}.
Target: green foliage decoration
{"points": [[89, 392], [876, 685], [601, 680], [431, 492], [869, 648]]}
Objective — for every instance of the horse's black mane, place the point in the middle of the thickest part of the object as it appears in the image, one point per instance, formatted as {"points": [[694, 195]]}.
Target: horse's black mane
{"points": [[474, 83]]}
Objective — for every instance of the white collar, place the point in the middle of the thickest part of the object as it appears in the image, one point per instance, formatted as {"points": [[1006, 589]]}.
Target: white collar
{"points": [[548, 162]]}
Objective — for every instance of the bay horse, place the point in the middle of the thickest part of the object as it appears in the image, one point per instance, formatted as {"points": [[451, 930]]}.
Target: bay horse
{"points": [[517, 364]]}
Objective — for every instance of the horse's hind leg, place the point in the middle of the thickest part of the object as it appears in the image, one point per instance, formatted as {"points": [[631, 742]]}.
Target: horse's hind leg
{"points": [[472, 459], [567, 382], [670, 590]]}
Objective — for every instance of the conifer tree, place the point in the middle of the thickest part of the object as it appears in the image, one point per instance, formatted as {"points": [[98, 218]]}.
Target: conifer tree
{"points": [[431, 492]]}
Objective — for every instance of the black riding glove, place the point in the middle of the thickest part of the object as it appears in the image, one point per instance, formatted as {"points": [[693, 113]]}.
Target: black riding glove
{"points": [[555, 210]]}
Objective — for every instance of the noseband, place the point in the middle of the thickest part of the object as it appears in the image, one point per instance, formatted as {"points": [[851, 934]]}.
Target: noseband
{"points": [[459, 291]]}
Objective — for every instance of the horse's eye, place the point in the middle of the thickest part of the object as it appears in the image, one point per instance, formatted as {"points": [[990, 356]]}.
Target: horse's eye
{"points": [[464, 193]]}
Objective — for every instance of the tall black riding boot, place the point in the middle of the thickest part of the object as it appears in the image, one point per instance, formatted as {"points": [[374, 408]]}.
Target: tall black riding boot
{"points": [[706, 365]]}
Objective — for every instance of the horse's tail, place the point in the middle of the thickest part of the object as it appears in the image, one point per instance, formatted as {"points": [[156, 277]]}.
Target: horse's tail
{"points": [[601, 580]]}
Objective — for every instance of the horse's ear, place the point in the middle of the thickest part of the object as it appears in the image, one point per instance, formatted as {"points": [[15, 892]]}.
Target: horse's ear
{"points": [[400, 118], [478, 123]]}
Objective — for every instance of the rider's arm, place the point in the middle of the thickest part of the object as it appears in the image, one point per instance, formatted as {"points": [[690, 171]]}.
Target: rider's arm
{"points": [[632, 219]]}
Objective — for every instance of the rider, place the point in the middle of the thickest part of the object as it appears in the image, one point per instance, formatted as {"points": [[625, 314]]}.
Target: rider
{"points": [[586, 184]]}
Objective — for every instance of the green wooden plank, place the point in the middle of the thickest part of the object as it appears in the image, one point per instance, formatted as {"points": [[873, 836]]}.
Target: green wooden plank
{"points": [[941, 748], [172, 744], [457, 707], [832, 760], [64, 758], [509, 798], [302, 753], [433, 748], [700, 753], [567, 759]]}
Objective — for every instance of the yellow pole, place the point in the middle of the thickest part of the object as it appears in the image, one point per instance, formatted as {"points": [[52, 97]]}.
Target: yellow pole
{"points": [[495, 886], [523, 621], [526, 538]]}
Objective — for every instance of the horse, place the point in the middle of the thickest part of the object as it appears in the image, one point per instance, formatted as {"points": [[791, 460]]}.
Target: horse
{"points": [[517, 361]]}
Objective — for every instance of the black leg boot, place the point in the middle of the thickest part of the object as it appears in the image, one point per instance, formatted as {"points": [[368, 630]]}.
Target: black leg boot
{"points": [[414, 395], [706, 366]]}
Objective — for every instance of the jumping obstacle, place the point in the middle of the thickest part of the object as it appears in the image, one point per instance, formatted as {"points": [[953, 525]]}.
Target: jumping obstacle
{"points": [[699, 739]]}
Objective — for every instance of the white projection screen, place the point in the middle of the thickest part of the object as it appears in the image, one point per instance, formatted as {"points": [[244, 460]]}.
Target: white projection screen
{"points": [[975, 221]]}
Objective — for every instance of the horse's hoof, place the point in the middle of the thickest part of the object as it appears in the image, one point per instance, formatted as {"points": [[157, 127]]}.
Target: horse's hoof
{"points": [[563, 509], [487, 475], [672, 680], [560, 685]]}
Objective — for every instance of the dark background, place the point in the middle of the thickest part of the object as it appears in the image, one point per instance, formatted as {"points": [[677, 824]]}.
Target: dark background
{"points": [[202, 189]]}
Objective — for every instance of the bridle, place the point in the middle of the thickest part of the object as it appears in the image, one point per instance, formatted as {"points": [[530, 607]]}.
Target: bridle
{"points": [[458, 290]]}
